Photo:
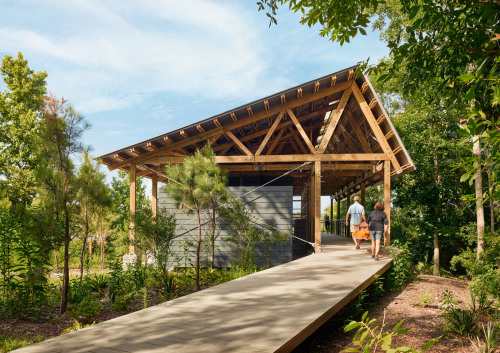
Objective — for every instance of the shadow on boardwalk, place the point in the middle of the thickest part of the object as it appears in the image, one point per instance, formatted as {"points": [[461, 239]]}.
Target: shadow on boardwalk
{"points": [[269, 311]]}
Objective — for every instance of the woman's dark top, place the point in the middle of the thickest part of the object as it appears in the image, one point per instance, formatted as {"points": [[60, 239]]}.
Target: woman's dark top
{"points": [[377, 219]]}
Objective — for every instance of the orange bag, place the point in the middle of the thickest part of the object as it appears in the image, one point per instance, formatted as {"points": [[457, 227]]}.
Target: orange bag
{"points": [[362, 234]]}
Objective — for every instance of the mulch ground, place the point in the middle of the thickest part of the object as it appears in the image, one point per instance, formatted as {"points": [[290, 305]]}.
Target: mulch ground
{"points": [[425, 321]]}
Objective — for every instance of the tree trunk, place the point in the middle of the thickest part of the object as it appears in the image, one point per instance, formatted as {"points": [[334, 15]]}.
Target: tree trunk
{"points": [[212, 248], [85, 235], [65, 285], [102, 253], [437, 207], [476, 150], [198, 248], [435, 272], [82, 255], [491, 189], [56, 259]]}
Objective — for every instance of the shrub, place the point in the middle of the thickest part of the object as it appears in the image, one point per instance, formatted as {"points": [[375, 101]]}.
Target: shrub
{"points": [[77, 325], [9, 343], [402, 269], [87, 309], [370, 337]]}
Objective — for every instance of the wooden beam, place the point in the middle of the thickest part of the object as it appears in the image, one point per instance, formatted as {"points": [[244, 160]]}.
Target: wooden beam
{"points": [[375, 127], [317, 206], [269, 133], [288, 166], [348, 139], [131, 232], [275, 141], [361, 136], [286, 158], [334, 119], [210, 142], [303, 148], [239, 144], [301, 131], [387, 200], [235, 124]]}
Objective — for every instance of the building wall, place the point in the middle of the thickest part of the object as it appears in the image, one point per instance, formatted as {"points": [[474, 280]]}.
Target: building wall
{"points": [[272, 205]]}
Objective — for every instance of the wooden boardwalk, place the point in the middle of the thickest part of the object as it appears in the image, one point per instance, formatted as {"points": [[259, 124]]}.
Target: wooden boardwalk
{"points": [[270, 311]]}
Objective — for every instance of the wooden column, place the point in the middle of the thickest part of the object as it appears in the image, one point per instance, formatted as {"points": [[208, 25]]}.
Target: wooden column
{"points": [[348, 199], [331, 215], [154, 194], [363, 194], [317, 206], [338, 215], [387, 199], [311, 208], [131, 234]]}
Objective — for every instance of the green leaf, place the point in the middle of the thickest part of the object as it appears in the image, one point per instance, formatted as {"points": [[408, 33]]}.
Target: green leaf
{"points": [[404, 349], [350, 350], [466, 77], [398, 325], [364, 316], [430, 343], [351, 325], [402, 332]]}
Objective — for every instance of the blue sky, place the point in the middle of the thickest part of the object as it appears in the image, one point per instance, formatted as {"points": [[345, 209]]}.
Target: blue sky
{"points": [[137, 69]]}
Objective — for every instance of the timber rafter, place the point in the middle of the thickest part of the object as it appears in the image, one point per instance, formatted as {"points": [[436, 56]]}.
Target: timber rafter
{"points": [[330, 120]]}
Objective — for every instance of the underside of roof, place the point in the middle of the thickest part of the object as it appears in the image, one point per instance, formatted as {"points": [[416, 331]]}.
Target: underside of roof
{"points": [[336, 119]]}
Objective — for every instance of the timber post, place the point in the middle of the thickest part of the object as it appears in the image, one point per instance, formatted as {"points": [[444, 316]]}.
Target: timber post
{"points": [[317, 206], [387, 200], [131, 234], [154, 194], [338, 215]]}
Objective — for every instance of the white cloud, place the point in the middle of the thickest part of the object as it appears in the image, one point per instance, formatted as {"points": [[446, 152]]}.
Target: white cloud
{"points": [[113, 58]]}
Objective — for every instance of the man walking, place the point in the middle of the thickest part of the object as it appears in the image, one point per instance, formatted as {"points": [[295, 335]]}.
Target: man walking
{"points": [[357, 212], [327, 223]]}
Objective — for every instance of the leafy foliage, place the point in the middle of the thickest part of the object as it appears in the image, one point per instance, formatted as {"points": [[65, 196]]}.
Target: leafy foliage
{"points": [[194, 185], [369, 337], [246, 234], [19, 125]]}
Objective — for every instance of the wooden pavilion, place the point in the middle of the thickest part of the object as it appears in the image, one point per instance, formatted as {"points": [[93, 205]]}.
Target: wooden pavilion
{"points": [[332, 133]]}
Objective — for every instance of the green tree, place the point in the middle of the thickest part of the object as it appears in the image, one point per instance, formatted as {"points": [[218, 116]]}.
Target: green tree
{"points": [[94, 197], [156, 233], [425, 122], [20, 104], [120, 199], [60, 140], [194, 185], [456, 41], [246, 233]]}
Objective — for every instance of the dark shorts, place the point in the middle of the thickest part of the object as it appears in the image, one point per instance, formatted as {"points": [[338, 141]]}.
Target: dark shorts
{"points": [[376, 234]]}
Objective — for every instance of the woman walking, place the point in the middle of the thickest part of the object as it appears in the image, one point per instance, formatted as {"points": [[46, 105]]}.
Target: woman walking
{"points": [[377, 221]]}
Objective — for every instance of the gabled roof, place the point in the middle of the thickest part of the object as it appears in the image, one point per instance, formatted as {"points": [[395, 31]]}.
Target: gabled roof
{"points": [[337, 119]]}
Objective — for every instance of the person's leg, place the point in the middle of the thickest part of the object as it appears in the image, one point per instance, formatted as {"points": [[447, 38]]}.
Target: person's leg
{"points": [[372, 237], [378, 238], [353, 229]]}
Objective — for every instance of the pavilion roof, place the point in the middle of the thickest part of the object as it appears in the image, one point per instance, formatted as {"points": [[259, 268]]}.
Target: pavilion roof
{"points": [[337, 119]]}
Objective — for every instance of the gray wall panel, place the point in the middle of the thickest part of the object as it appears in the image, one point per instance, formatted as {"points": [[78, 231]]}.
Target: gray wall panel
{"points": [[272, 205]]}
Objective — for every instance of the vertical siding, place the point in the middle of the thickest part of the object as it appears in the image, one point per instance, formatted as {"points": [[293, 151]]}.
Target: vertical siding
{"points": [[272, 205]]}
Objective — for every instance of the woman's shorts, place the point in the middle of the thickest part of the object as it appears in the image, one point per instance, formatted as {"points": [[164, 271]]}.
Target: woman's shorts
{"points": [[376, 234]]}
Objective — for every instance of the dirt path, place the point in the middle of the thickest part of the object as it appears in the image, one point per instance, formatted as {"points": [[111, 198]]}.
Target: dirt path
{"points": [[425, 321]]}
